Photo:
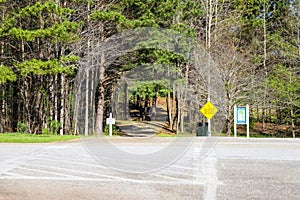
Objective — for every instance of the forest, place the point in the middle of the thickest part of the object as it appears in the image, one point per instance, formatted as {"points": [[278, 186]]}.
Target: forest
{"points": [[45, 46]]}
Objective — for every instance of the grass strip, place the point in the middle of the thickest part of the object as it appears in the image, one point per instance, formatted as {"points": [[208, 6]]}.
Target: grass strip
{"points": [[34, 138]]}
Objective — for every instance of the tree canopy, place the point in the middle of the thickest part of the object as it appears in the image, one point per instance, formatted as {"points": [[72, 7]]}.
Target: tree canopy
{"points": [[254, 44]]}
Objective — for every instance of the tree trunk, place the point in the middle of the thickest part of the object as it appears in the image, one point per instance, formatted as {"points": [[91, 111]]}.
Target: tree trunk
{"points": [[146, 108], [67, 126], [126, 103], [92, 95], [265, 68], [87, 87], [27, 105], [62, 105], [86, 119], [169, 110], [181, 115], [115, 103], [293, 122], [228, 120], [55, 99], [140, 107], [177, 115], [76, 112], [154, 101], [100, 108]]}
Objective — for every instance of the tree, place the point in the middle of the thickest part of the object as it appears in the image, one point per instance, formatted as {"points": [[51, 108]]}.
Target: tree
{"points": [[286, 86], [42, 41], [36, 37], [132, 14], [261, 31], [234, 71]]}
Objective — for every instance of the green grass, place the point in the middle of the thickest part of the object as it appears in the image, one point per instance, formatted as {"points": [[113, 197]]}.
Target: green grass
{"points": [[32, 138], [165, 135]]}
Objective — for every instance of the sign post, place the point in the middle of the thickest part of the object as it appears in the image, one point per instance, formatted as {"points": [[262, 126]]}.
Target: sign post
{"points": [[110, 121], [241, 116], [209, 110]]}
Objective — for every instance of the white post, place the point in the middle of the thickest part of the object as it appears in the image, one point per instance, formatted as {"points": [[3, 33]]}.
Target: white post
{"points": [[247, 120], [234, 117], [110, 124], [110, 121]]}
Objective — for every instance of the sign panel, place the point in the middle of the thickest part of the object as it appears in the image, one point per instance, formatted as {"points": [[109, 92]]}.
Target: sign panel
{"points": [[241, 114], [110, 120], [209, 110]]}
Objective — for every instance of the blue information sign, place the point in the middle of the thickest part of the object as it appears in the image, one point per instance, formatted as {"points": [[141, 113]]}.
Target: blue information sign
{"points": [[241, 115]]}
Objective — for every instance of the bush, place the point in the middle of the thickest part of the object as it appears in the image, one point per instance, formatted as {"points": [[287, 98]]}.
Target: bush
{"points": [[252, 121], [54, 126], [115, 131], [21, 127], [45, 131]]}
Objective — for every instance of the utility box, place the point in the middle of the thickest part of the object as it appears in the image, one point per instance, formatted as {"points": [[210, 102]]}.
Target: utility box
{"points": [[202, 129]]}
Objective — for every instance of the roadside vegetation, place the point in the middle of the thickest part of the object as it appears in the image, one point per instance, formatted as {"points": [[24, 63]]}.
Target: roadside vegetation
{"points": [[34, 138], [50, 49]]}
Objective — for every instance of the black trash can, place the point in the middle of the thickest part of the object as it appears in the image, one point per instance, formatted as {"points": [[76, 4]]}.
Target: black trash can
{"points": [[202, 129]]}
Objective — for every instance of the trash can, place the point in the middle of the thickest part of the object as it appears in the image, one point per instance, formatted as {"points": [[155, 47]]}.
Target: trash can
{"points": [[202, 129]]}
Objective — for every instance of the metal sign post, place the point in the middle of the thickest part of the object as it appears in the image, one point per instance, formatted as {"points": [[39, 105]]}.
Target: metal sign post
{"points": [[209, 110]]}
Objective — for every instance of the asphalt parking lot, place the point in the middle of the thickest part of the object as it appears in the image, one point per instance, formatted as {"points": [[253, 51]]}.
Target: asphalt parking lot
{"points": [[229, 168]]}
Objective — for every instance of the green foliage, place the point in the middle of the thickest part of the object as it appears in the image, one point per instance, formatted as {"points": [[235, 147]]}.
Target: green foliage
{"points": [[45, 131], [39, 7], [128, 14], [285, 84], [53, 129], [54, 126], [170, 14], [21, 127], [151, 88], [58, 32], [6, 74], [252, 121], [115, 131], [43, 23], [166, 135], [36, 35], [109, 16], [54, 66], [45, 20]]}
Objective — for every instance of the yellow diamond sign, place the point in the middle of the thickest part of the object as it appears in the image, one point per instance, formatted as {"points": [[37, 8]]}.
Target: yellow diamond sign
{"points": [[209, 110]]}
